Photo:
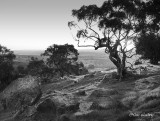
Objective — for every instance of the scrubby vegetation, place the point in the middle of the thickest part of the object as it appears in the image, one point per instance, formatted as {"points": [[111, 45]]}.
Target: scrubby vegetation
{"points": [[6, 66]]}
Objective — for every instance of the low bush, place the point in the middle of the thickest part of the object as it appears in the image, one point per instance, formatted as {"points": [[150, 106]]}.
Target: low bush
{"points": [[90, 66]]}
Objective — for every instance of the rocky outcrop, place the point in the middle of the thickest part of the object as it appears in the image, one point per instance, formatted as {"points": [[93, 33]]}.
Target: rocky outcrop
{"points": [[21, 92], [94, 97], [47, 106], [56, 106], [19, 98]]}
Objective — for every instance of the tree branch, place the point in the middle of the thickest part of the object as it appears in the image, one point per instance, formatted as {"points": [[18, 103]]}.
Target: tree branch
{"points": [[94, 32], [84, 45], [130, 64], [130, 49], [130, 56]]}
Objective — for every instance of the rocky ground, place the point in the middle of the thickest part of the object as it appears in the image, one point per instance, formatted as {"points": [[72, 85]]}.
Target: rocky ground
{"points": [[97, 96]]}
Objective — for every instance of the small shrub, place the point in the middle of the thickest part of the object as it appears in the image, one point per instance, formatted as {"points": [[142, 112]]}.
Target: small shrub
{"points": [[90, 66]]}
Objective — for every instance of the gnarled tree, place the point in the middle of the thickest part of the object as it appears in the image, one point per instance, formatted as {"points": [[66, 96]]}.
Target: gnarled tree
{"points": [[114, 25]]}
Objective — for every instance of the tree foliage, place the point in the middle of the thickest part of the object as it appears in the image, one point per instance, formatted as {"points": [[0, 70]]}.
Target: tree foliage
{"points": [[38, 67], [60, 57], [152, 11], [6, 65], [21, 70], [148, 43], [112, 25], [35, 66]]}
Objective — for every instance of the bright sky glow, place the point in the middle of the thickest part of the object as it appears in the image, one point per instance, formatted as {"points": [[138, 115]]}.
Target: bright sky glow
{"points": [[37, 24]]}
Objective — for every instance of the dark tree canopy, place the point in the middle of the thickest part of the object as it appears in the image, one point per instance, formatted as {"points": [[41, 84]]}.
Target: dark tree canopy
{"points": [[148, 43], [21, 70], [113, 25], [35, 66], [152, 10], [60, 57], [6, 65]]}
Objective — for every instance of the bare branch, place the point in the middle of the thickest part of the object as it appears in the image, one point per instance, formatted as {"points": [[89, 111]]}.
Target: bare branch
{"points": [[130, 56], [94, 24], [130, 64], [94, 31], [115, 35], [90, 37], [127, 32], [84, 45], [120, 48], [70, 24], [119, 34]]}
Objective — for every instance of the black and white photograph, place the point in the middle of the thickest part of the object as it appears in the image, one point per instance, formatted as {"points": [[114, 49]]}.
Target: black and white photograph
{"points": [[79, 60]]}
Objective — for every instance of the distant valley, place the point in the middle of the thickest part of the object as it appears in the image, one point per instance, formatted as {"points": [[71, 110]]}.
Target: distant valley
{"points": [[98, 58]]}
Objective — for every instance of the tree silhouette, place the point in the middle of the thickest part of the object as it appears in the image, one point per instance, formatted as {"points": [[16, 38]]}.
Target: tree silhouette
{"points": [[21, 70], [35, 66], [148, 45], [60, 57], [6, 65], [152, 11], [114, 26]]}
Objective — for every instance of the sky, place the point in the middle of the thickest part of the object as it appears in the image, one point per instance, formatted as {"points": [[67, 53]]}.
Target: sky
{"points": [[37, 24]]}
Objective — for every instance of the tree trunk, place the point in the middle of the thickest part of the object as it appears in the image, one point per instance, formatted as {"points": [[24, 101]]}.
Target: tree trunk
{"points": [[117, 61], [124, 72], [120, 64]]}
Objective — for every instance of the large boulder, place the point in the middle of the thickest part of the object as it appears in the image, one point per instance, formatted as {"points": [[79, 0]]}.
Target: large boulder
{"points": [[50, 107], [56, 106], [20, 93], [45, 111]]}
